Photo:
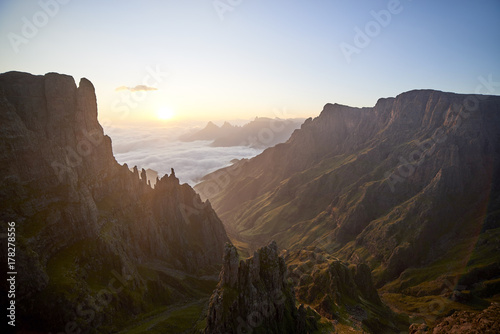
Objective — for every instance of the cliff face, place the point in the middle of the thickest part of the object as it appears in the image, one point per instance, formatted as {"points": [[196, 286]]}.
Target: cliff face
{"points": [[254, 296], [341, 292], [259, 294], [486, 321], [399, 180], [411, 187], [81, 217]]}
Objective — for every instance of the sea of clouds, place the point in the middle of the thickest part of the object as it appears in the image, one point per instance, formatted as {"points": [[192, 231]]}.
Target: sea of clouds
{"points": [[158, 148]]}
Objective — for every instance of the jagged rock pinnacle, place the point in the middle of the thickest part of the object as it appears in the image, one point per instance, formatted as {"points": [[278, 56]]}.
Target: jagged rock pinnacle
{"points": [[255, 294]]}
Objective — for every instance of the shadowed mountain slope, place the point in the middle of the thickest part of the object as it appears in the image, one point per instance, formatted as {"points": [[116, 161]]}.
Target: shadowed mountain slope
{"points": [[254, 296], [340, 292], [95, 244], [259, 294], [413, 180]]}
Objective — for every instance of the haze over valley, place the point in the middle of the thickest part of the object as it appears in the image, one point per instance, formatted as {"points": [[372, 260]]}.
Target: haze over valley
{"points": [[160, 149]]}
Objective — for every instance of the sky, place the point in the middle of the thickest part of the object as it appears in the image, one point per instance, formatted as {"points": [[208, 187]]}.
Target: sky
{"points": [[172, 61]]}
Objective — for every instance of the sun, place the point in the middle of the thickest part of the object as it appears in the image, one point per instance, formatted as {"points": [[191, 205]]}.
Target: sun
{"points": [[165, 113]]}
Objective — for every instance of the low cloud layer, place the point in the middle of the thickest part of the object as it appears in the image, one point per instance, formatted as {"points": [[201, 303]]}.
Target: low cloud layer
{"points": [[159, 149], [138, 88]]}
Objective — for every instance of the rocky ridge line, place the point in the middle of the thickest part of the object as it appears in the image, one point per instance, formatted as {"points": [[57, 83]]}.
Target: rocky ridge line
{"points": [[253, 295], [81, 218]]}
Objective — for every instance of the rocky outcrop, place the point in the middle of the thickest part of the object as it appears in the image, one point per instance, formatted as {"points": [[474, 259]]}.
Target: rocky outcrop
{"points": [[149, 175], [486, 321], [81, 218], [390, 185], [341, 292], [254, 296]]}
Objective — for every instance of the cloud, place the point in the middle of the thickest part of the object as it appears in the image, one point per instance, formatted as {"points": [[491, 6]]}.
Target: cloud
{"points": [[159, 149], [138, 88]]}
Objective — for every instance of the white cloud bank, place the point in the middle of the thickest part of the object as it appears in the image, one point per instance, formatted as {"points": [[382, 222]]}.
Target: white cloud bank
{"points": [[159, 149]]}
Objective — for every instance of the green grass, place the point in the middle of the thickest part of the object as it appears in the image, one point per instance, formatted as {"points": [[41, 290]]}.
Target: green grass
{"points": [[35, 224], [200, 285], [489, 288], [424, 292], [61, 267], [458, 261], [270, 211], [325, 326], [179, 319], [428, 308]]}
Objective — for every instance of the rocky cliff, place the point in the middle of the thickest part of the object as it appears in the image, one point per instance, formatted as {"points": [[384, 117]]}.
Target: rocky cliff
{"points": [[408, 186], [82, 220], [482, 322], [340, 292], [254, 296]]}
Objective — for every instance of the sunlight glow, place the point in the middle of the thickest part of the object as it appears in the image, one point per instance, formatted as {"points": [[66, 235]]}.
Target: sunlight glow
{"points": [[165, 113]]}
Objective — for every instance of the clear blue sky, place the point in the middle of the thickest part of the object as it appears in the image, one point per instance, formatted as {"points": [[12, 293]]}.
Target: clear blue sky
{"points": [[264, 58]]}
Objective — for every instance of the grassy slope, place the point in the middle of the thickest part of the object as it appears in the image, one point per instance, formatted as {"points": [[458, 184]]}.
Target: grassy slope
{"points": [[176, 319], [274, 207], [424, 292], [377, 319], [420, 292], [76, 278]]}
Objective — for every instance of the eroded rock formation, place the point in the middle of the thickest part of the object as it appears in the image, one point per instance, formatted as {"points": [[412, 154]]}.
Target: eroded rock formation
{"points": [[82, 219], [254, 296]]}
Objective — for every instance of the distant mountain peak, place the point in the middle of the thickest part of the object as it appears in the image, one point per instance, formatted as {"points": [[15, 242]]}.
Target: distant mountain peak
{"points": [[262, 132], [210, 125], [227, 125]]}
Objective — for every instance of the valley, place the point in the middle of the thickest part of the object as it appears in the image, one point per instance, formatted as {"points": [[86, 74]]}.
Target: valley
{"points": [[333, 230], [349, 188], [250, 167]]}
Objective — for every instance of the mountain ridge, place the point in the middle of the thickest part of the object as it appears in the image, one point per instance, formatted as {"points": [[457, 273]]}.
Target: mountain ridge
{"points": [[262, 132], [82, 219], [397, 186]]}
